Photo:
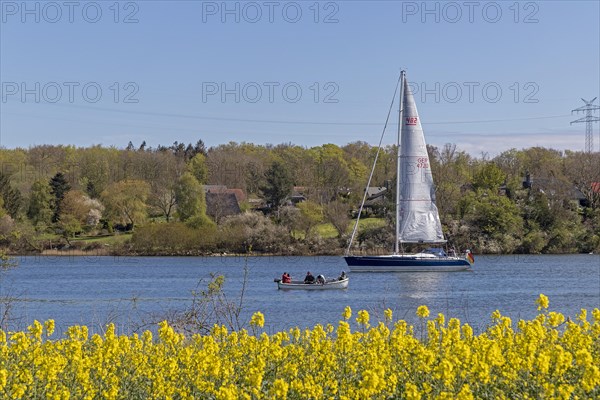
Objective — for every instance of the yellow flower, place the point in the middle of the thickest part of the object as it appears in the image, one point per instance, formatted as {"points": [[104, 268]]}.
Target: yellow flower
{"points": [[363, 318], [49, 325], [422, 312], [279, 389], [347, 313], [542, 302], [3, 379], [411, 391], [582, 315], [258, 319], [555, 319], [388, 315], [36, 330], [384, 362], [465, 393], [596, 314]]}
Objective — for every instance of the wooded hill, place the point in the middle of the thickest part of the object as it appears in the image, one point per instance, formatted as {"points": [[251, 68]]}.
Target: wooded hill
{"points": [[288, 199]]}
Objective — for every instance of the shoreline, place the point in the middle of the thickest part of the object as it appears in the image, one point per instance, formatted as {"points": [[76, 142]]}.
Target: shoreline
{"points": [[108, 253]]}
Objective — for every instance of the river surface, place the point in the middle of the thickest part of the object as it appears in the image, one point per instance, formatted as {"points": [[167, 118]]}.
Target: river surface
{"points": [[131, 290]]}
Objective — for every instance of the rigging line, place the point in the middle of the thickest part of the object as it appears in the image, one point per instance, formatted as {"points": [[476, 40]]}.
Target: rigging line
{"points": [[362, 204]]}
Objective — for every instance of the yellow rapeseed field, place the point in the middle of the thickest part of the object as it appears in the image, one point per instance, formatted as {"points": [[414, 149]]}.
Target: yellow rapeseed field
{"points": [[546, 357]]}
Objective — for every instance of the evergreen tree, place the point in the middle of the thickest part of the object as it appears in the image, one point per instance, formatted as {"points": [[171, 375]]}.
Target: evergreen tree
{"points": [[58, 187], [11, 197], [278, 185]]}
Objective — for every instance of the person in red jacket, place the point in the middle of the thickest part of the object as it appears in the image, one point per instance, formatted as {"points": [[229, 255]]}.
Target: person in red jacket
{"points": [[286, 278]]}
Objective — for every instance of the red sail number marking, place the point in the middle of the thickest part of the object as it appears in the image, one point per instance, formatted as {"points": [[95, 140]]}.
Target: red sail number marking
{"points": [[422, 162], [411, 120]]}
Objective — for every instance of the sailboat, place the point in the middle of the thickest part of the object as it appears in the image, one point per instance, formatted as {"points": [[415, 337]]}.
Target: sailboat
{"points": [[417, 217]]}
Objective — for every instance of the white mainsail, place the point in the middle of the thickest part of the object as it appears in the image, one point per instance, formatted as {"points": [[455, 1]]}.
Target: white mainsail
{"points": [[419, 218]]}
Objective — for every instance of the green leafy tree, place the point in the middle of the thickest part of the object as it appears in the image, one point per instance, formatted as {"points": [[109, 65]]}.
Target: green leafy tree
{"points": [[40, 210], [312, 215], [511, 165], [331, 171], [94, 169], [298, 162], [197, 167], [494, 221], [125, 201], [79, 206], [191, 201], [69, 226], [491, 213], [488, 176], [278, 185]]}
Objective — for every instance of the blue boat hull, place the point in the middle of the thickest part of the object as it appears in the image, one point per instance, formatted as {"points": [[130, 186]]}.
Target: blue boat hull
{"points": [[404, 263]]}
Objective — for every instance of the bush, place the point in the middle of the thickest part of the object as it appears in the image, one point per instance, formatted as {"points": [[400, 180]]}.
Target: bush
{"points": [[255, 231], [174, 238]]}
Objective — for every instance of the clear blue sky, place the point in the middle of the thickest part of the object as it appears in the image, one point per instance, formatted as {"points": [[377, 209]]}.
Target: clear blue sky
{"points": [[176, 57]]}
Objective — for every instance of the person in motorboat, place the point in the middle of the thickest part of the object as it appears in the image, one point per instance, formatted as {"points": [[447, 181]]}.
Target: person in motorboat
{"points": [[286, 278], [320, 279], [342, 276], [309, 278]]}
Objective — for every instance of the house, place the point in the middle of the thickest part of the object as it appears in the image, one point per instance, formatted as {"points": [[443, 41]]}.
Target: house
{"points": [[239, 193], [222, 202], [375, 201], [298, 194], [553, 187], [376, 192], [592, 197], [220, 205], [214, 188]]}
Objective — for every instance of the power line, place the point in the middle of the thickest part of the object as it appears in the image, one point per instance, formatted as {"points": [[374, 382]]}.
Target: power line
{"points": [[295, 122]]}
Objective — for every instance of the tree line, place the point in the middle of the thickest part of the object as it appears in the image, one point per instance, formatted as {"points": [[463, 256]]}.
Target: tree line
{"points": [[535, 200]]}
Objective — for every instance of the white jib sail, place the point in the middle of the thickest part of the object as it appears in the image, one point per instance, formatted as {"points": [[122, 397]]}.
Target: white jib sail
{"points": [[419, 218]]}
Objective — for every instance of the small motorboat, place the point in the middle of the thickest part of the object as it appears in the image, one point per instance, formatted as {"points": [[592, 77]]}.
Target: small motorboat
{"points": [[300, 285]]}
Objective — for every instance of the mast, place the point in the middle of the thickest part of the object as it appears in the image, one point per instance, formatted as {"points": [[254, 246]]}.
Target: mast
{"points": [[400, 111]]}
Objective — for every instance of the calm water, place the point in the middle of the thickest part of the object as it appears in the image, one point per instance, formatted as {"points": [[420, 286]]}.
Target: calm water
{"points": [[125, 290]]}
